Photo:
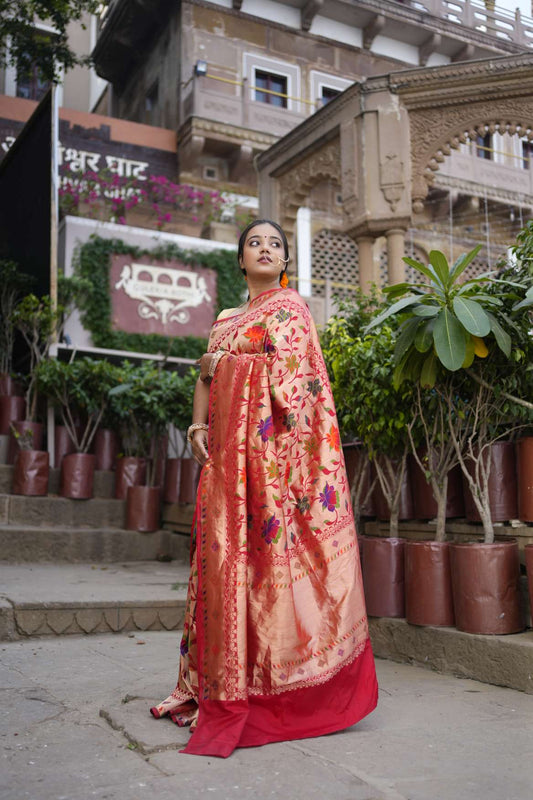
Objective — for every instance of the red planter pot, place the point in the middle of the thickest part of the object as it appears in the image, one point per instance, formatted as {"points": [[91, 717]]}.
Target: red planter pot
{"points": [[486, 587], [424, 503], [502, 485], [190, 475], [428, 584], [12, 409], [23, 427], [31, 473], [353, 456], [77, 476], [171, 490], [143, 508], [9, 386], [406, 500], [524, 468], [383, 576], [130, 471], [528, 552], [105, 449], [63, 445]]}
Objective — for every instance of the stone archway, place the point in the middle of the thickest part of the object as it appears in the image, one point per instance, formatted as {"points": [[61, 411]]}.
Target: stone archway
{"points": [[384, 139]]}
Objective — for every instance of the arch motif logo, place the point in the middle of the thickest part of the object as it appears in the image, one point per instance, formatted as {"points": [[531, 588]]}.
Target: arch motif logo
{"points": [[163, 293]]}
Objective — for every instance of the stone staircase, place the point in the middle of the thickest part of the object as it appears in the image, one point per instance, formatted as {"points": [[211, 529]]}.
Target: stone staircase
{"points": [[70, 567]]}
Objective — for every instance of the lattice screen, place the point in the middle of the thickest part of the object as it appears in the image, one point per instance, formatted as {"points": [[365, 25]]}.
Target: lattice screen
{"points": [[334, 256]]}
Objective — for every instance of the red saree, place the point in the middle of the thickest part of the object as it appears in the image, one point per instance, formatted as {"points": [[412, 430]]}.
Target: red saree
{"points": [[275, 643]]}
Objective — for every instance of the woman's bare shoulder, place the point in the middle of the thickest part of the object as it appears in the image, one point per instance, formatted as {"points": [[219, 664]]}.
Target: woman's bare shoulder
{"points": [[227, 312]]}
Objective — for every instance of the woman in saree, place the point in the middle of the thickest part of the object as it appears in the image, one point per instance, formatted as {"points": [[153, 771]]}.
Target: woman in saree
{"points": [[275, 643]]}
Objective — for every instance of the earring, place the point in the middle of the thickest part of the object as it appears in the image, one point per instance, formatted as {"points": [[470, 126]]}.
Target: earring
{"points": [[283, 279], [244, 273]]}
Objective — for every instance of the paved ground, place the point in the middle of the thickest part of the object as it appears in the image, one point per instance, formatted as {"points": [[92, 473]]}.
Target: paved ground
{"points": [[75, 725]]}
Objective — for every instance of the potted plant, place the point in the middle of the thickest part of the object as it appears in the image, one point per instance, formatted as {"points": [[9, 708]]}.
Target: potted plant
{"points": [[446, 324], [180, 415], [130, 464], [31, 470], [379, 417], [150, 392], [79, 389]]}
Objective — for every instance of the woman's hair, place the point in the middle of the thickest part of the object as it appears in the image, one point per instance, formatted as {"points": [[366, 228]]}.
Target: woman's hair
{"points": [[249, 227]]}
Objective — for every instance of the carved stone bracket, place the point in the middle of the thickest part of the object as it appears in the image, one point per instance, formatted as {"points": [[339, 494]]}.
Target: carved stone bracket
{"points": [[428, 47], [391, 174], [309, 11], [374, 27]]}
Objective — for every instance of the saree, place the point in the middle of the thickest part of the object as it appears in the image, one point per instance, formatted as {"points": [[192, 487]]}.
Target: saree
{"points": [[275, 643]]}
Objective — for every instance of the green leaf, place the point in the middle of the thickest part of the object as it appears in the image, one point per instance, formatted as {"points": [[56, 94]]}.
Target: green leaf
{"points": [[449, 338], [463, 261], [393, 309], [503, 340], [428, 376], [420, 267], [406, 338], [426, 311], [527, 301], [472, 316], [439, 262], [424, 335], [470, 353]]}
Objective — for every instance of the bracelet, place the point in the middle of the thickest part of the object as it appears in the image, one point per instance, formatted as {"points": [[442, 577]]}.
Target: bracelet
{"points": [[214, 362], [196, 426]]}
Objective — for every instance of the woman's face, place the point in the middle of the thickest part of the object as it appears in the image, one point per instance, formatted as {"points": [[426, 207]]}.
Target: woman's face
{"points": [[263, 252]]}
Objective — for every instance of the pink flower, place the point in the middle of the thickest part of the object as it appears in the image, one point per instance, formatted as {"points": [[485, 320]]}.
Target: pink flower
{"points": [[328, 498]]}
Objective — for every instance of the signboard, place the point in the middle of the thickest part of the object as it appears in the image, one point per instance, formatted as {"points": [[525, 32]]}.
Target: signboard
{"points": [[169, 298]]}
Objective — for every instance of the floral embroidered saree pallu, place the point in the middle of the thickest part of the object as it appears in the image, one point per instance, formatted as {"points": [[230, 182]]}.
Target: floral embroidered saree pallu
{"points": [[275, 644]]}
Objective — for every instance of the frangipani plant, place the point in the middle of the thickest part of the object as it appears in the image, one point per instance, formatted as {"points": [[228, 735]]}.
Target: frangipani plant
{"points": [[445, 324]]}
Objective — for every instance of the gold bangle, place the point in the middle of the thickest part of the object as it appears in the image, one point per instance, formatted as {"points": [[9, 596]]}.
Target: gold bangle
{"points": [[214, 363], [196, 426]]}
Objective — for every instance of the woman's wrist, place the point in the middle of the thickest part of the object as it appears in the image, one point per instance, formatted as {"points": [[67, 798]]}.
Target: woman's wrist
{"points": [[196, 426], [214, 362]]}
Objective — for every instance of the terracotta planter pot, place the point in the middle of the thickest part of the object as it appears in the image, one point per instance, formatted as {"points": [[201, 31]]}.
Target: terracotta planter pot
{"points": [[130, 471], [502, 485], [524, 468], [77, 476], [428, 584], [31, 473], [486, 587], [9, 386], [171, 490], [142, 508], [12, 409], [383, 576], [353, 455], [63, 445], [190, 475], [406, 500], [424, 503], [528, 552], [23, 427], [105, 449]]}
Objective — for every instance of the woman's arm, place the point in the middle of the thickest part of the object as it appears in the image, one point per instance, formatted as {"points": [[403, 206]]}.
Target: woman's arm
{"points": [[200, 413]]}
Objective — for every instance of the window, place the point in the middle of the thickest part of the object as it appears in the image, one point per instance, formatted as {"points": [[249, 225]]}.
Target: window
{"points": [[30, 83], [270, 82], [527, 154], [328, 94], [484, 146], [151, 106]]}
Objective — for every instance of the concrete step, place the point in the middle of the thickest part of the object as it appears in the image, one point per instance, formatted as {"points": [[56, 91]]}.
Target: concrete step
{"points": [[61, 545], [52, 600], [54, 511], [104, 482]]}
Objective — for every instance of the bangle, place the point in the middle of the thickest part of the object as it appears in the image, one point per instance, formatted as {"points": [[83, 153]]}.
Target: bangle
{"points": [[214, 362], [196, 426]]}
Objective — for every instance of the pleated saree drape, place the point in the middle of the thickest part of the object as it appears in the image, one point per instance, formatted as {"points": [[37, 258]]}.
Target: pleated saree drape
{"points": [[275, 642]]}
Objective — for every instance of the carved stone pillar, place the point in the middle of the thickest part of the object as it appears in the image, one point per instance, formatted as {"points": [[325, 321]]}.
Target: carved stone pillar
{"points": [[395, 253], [365, 245]]}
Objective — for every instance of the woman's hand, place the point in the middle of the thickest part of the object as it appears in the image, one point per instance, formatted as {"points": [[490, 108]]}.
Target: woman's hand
{"points": [[199, 446]]}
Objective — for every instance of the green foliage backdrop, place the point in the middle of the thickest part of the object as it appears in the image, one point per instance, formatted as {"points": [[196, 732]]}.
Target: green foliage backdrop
{"points": [[92, 264]]}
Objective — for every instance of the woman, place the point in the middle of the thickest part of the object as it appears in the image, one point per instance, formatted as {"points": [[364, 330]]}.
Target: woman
{"points": [[275, 643]]}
